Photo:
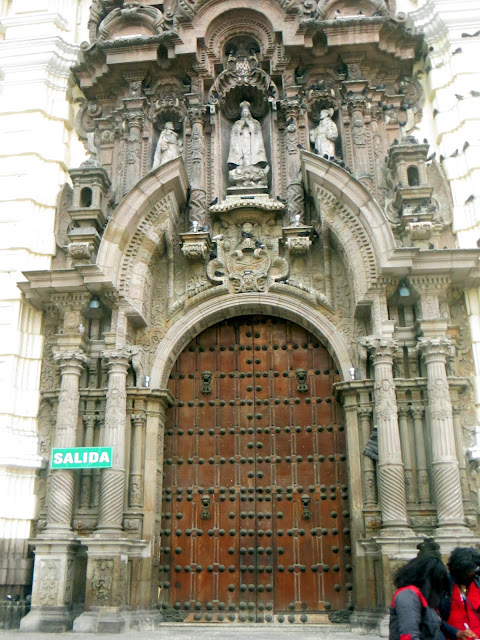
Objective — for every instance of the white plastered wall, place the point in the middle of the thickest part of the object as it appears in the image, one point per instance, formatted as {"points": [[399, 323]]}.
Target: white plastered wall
{"points": [[39, 42]]}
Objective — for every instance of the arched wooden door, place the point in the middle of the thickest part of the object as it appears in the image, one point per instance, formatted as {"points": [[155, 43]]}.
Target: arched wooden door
{"points": [[255, 522]]}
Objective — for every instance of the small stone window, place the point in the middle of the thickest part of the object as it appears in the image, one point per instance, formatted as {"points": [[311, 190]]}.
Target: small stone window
{"points": [[86, 197], [412, 176]]}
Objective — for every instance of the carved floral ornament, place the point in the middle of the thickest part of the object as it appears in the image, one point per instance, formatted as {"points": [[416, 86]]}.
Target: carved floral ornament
{"points": [[133, 19]]}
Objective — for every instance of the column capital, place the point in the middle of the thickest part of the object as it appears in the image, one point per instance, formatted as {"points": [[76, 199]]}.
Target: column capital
{"points": [[403, 411], [435, 348], [139, 418], [70, 359], [364, 412], [196, 114], [117, 358], [417, 412], [381, 349], [89, 419]]}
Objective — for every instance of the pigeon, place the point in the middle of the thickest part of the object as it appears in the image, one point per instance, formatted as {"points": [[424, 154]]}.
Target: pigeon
{"points": [[458, 96], [214, 201], [300, 146], [465, 146], [475, 94], [458, 50], [431, 156], [442, 158], [454, 154], [470, 199], [471, 35], [425, 141], [435, 113]]}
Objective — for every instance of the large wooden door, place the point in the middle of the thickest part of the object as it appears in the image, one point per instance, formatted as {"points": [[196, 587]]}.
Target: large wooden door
{"points": [[255, 522]]}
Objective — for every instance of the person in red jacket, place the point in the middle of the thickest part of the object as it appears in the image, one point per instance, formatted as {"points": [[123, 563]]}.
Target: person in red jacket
{"points": [[413, 611], [460, 605]]}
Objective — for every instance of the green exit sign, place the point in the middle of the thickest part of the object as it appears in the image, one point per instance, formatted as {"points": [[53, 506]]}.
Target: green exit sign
{"points": [[82, 458]]}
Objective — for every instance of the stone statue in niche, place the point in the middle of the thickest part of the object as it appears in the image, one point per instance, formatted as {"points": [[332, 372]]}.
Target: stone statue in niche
{"points": [[324, 135], [168, 146], [247, 160]]}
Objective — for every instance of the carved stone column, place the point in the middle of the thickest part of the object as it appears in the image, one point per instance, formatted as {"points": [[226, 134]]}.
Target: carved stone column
{"points": [[86, 477], [369, 475], [198, 194], [61, 488], [446, 477], [295, 198], [406, 453], [390, 465], [135, 488], [56, 548], [422, 468], [112, 485]]}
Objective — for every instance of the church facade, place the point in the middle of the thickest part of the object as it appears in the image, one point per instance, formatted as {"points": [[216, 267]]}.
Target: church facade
{"points": [[260, 299]]}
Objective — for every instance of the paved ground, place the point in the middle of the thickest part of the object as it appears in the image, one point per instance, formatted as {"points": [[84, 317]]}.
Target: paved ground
{"points": [[209, 632]]}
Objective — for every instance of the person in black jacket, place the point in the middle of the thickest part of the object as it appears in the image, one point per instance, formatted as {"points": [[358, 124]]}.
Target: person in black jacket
{"points": [[413, 612]]}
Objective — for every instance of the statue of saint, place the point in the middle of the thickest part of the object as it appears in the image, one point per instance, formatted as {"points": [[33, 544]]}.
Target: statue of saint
{"points": [[247, 160], [168, 146], [324, 135]]}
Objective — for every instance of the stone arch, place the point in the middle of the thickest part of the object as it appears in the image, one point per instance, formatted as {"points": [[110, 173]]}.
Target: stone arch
{"points": [[212, 311], [354, 217], [252, 23], [271, 14], [139, 223]]}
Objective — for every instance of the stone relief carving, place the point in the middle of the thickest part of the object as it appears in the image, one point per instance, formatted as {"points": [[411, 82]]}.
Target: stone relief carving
{"points": [[102, 580], [48, 583], [247, 259]]}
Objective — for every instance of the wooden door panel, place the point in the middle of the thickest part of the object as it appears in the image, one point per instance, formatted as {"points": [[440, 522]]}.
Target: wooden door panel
{"points": [[257, 443]]}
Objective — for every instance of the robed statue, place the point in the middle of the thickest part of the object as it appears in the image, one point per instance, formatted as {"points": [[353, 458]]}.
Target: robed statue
{"points": [[247, 160], [168, 147], [324, 135]]}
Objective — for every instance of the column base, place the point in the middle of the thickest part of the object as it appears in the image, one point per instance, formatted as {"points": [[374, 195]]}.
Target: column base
{"points": [[363, 622], [52, 620], [117, 621]]}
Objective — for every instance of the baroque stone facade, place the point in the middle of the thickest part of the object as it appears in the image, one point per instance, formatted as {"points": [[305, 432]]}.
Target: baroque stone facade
{"points": [[244, 162]]}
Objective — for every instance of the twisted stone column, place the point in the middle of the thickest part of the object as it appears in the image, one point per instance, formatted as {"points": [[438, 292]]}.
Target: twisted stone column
{"points": [[390, 466], [135, 493], [61, 487], [112, 483], [369, 479], [422, 468], [446, 477]]}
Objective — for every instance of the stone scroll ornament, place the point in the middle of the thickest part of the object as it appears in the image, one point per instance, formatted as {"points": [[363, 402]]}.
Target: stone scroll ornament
{"points": [[247, 160]]}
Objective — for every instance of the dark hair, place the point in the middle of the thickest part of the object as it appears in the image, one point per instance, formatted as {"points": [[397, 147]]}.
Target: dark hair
{"points": [[462, 562], [427, 573]]}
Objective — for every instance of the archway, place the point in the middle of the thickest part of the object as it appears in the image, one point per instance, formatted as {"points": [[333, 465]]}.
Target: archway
{"points": [[255, 520]]}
